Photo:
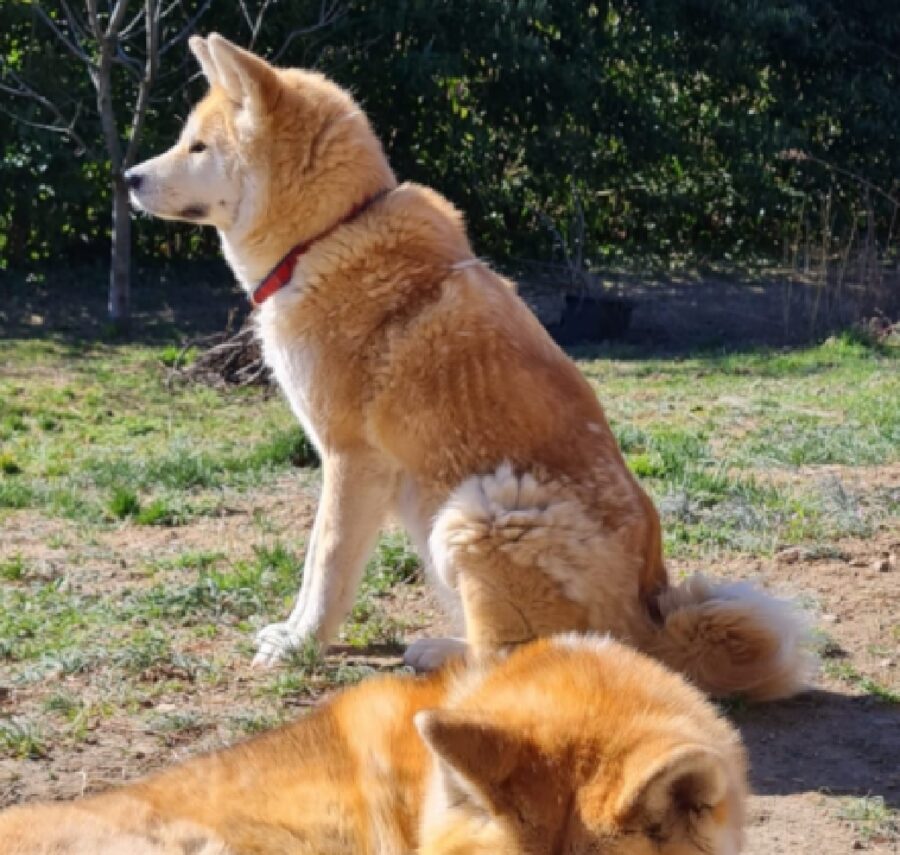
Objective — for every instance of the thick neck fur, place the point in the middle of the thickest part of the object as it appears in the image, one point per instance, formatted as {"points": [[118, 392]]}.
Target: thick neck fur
{"points": [[303, 179]]}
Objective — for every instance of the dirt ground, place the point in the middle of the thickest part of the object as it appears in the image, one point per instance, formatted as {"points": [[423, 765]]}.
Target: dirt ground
{"points": [[819, 762], [814, 757]]}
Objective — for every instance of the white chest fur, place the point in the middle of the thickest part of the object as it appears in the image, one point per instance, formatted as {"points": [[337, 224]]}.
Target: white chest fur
{"points": [[293, 363]]}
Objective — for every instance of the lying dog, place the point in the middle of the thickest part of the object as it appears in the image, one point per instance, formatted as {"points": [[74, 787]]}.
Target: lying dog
{"points": [[431, 391], [572, 745]]}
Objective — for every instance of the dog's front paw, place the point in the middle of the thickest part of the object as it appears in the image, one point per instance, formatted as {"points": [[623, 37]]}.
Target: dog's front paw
{"points": [[276, 641], [428, 654]]}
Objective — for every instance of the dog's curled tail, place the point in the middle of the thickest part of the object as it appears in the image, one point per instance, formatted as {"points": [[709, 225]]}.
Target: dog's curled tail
{"points": [[732, 639]]}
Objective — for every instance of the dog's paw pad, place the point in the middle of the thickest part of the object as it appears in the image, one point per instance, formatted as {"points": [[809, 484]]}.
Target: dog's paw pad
{"points": [[428, 654]]}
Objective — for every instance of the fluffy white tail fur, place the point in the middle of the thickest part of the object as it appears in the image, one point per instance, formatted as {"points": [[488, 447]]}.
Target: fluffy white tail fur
{"points": [[733, 639]]}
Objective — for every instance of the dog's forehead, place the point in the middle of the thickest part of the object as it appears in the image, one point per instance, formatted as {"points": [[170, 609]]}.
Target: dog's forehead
{"points": [[209, 114]]}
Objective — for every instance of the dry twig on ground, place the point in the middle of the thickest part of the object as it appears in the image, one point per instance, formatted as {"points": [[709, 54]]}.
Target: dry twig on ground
{"points": [[227, 358]]}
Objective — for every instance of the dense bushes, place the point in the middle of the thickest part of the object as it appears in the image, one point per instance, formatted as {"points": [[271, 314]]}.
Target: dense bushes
{"points": [[667, 121]]}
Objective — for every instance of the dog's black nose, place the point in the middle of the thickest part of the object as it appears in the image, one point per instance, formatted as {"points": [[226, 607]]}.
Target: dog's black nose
{"points": [[133, 180]]}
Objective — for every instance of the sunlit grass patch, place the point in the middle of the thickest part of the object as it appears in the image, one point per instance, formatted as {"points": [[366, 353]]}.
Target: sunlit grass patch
{"points": [[81, 716], [704, 433], [873, 817], [83, 425], [395, 563], [22, 738], [41, 618], [13, 569], [842, 670], [214, 588]]}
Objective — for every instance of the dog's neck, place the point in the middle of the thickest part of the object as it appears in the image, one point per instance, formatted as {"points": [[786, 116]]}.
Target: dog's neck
{"points": [[248, 267], [253, 248]]}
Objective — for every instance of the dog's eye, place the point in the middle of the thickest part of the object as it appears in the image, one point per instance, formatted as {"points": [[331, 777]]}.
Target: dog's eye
{"points": [[197, 147]]}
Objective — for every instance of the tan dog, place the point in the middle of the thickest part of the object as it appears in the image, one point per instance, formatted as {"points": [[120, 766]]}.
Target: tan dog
{"points": [[432, 392], [573, 745]]}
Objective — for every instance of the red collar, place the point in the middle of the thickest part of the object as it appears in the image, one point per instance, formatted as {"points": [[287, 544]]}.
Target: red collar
{"points": [[284, 270]]}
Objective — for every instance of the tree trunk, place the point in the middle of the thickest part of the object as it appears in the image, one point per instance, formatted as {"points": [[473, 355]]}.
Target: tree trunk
{"points": [[120, 262]]}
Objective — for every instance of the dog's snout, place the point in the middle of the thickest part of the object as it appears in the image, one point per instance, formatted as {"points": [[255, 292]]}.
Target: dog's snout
{"points": [[133, 180]]}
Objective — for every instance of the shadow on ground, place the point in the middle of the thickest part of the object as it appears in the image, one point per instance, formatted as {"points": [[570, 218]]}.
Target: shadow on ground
{"points": [[174, 301], [169, 303], [826, 742]]}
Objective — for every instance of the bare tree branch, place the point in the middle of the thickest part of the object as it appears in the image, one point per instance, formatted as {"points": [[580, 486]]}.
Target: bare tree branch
{"points": [[74, 48], [63, 125], [67, 130], [186, 30], [151, 14], [94, 18], [257, 24], [246, 13], [102, 79], [183, 72], [77, 27], [116, 19], [175, 4], [131, 65], [133, 27], [329, 13]]}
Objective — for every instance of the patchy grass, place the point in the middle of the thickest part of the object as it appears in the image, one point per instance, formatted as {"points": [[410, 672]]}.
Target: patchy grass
{"points": [[12, 569], [874, 819], [123, 503], [91, 432], [714, 437], [849, 674], [22, 739]]}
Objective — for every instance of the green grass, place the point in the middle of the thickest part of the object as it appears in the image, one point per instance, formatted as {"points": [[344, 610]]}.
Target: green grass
{"points": [[849, 674], [707, 433], [13, 569], [123, 503], [873, 817], [41, 618], [21, 739], [393, 564], [92, 432]]}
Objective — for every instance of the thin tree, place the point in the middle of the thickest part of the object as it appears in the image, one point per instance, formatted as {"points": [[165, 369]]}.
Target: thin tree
{"points": [[130, 38]]}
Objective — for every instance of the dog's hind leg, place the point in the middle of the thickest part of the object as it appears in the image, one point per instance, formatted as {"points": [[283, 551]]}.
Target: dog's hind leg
{"points": [[505, 605], [518, 552], [357, 490]]}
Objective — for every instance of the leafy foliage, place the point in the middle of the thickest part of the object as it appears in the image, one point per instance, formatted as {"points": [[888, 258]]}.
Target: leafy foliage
{"points": [[668, 121]]}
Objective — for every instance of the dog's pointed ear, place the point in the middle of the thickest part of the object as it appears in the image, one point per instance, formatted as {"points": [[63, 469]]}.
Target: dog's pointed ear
{"points": [[200, 50], [476, 756], [679, 783], [246, 78]]}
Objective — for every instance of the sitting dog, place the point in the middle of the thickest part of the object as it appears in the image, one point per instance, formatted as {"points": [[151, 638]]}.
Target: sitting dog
{"points": [[571, 745], [432, 392]]}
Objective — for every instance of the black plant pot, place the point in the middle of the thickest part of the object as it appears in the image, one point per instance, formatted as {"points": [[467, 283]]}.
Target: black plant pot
{"points": [[591, 319]]}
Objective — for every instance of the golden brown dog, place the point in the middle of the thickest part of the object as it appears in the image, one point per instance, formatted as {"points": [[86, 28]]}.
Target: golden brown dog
{"points": [[431, 392], [577, 746]]}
